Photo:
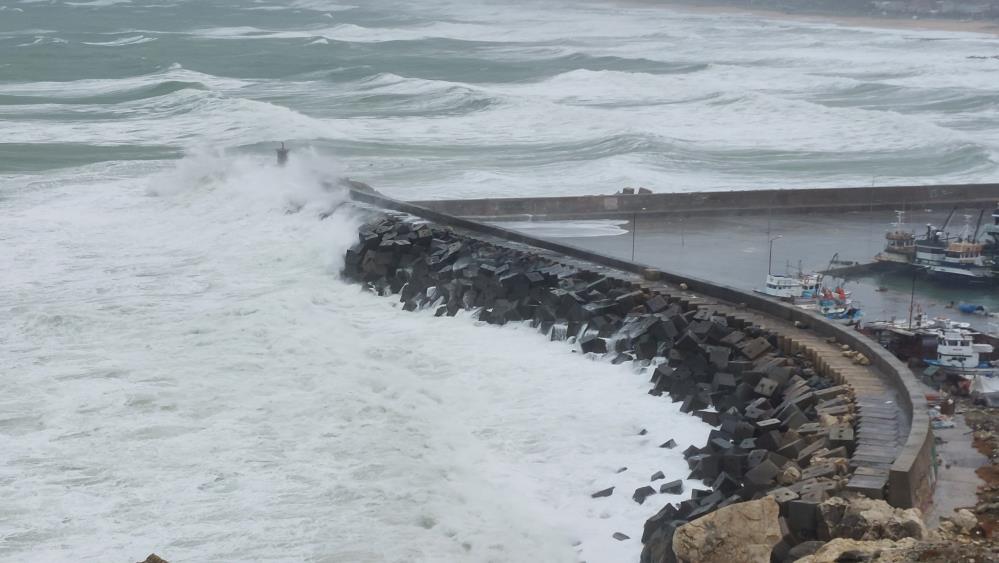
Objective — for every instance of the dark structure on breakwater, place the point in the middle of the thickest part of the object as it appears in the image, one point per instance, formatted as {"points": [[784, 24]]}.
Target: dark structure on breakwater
{"points": [[783, 391], [740, 202]]}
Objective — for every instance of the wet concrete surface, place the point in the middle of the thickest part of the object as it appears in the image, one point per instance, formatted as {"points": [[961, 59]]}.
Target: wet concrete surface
{"points": [[957, 484], [734, 250]]}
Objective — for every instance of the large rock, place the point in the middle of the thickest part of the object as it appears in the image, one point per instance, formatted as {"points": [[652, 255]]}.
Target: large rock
{"points": [[739, 533], [862, 518], [965, 520], [841, 550]]}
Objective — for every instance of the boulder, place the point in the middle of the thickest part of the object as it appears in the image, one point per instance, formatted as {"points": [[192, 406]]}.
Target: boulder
{"points": [[789, 475], [862, 518], [804, 549], [842, 550], [153, 558], [965, 520], [739, 533]]}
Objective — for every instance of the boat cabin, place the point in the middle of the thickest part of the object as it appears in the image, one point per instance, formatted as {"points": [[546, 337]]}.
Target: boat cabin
{"points": [[783, 287]]}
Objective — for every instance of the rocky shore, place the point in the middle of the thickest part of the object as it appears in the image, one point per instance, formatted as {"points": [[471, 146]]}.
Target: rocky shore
{"points": [[776, 466]]}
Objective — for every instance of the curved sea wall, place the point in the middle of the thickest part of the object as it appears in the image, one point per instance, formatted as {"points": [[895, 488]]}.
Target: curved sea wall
{"points": [[795, 418]]}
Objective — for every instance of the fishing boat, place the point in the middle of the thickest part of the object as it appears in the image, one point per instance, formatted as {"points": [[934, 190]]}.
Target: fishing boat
{"points": [[900, 244], [960, 258], [958, 352], [805, 290], [835, 305], [963, 256], [958, 355], [783, 287], [794, 287]]}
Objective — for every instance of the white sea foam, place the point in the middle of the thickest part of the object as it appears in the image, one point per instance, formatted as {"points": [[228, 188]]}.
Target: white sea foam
{"points": [[194, 379], [322, 5], [98, 3], [568, 229], [132, 40], [43, 40]]}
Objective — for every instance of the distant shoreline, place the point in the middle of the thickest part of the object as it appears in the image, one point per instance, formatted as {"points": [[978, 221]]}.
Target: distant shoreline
{"points": [[990, 27]]}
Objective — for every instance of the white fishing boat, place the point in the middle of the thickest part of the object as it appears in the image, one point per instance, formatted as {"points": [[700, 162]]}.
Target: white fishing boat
{"points": [[782, 287], [958, 354]]}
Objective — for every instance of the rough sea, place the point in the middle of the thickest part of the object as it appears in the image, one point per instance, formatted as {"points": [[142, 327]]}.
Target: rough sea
{"points": [[182, 371]]}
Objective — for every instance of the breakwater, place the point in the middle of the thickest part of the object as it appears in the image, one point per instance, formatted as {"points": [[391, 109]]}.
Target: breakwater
{"points": [[896, 443], [736, 202], [784, 427]]}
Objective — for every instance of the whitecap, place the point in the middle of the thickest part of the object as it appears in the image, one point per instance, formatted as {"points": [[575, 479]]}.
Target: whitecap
{"points": [[133, 40], [98, 3]]}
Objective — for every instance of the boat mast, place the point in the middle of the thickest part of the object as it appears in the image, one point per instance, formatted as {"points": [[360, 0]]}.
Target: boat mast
{"points": [[978, 225], [947, 222]]}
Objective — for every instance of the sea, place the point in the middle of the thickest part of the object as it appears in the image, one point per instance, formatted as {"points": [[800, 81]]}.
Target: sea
{"points": [[182, 371]]}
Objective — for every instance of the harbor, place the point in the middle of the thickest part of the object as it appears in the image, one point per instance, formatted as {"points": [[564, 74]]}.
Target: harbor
{"points": [[820, 261], [734, 250]]}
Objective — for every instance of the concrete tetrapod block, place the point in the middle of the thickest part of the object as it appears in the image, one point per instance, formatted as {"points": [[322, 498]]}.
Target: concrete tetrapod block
{"points": [[673, 487], [642, 493], [667, 513], [604, 493], [763, 474], [755, 348]]}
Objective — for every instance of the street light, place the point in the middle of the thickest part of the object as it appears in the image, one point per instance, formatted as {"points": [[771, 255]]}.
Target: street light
{"points": [[634, 230], [770, 259]]}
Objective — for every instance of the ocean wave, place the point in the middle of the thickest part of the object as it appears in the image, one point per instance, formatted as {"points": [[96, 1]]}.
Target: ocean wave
{"points": [[44, 40], [615, 88], [133, 40], [144, 92], [907, 99], [453, 30], [322, 6], [34, 157], [447, 101], [176, 120], [169, 79], [97, 3]]}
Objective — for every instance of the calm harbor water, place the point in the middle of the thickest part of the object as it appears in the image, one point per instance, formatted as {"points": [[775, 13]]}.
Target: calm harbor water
{"points": [[735, 251]]}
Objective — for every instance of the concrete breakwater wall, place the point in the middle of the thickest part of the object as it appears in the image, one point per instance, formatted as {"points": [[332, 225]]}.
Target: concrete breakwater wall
{"points": [[783, 429], [723, 202]]}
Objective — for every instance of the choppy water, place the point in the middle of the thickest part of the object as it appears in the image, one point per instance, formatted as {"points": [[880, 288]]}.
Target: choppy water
{"points": [[181, 370]]}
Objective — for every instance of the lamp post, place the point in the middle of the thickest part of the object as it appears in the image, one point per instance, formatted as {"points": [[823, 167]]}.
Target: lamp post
{"points": [[770, 259], [634, 230]]}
